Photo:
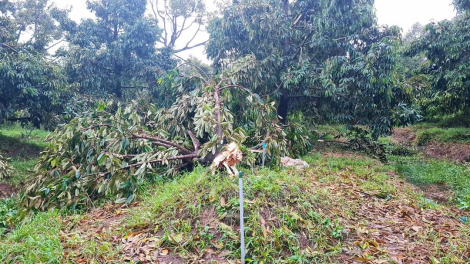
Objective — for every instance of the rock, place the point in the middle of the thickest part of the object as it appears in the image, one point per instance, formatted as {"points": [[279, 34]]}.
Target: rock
{"points": [[298, 163]]}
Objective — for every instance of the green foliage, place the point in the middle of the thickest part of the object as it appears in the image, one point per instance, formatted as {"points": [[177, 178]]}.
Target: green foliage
{"points": [[420, 172], [116, 52], [319, 57], [32, 86], [114, 148], [424, 136], [8, 210], [462, 5], [446, 46], [36, 241], [361, 140]]}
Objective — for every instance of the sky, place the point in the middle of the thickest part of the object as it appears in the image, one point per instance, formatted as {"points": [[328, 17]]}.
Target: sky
{"points": [[403, 13]]}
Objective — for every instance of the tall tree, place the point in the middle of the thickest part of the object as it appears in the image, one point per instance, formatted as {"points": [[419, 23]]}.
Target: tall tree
{"points": [[117, 50], [314, 54], [32, 86], [446, 45]]}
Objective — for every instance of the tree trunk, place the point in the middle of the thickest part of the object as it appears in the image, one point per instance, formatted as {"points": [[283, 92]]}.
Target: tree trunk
{"points": [[283, 105], [284, 100]]}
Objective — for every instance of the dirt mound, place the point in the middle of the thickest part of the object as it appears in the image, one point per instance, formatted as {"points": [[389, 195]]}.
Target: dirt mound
{"points": [[338, 211], [7, 190], [453, 151], [404, 135]]}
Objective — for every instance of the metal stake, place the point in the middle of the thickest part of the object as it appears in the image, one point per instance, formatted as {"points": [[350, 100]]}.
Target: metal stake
{"points": [[242, 227], [264, 152]]}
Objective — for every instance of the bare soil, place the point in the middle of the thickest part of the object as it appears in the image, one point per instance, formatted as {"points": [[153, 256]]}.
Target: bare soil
{"points": [[459, 152], [403, 135], [454, 151], [7, 190], [437, 192]]}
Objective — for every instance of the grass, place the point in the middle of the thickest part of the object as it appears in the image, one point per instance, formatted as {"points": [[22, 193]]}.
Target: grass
{"points": [[442, 135], [22, 147], [310, 216], [37, 241], [291, 217], [425, 172], [199, 211]]}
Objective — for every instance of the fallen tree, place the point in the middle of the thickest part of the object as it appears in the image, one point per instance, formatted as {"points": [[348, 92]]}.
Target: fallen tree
{"points": [[114, 148]]}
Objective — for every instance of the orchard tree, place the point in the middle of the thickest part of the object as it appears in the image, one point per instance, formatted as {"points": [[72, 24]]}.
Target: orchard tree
{"points": [[116, 147], [32, 86], [328, 57], [117, 50], [446, 45]]}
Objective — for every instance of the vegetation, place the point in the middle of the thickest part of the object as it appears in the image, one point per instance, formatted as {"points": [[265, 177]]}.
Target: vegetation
{"points": [[107, 133], [290, 217], [22, 147], [444, 73], [36, 241], [317, 57], [424, 136], [435, 172]]}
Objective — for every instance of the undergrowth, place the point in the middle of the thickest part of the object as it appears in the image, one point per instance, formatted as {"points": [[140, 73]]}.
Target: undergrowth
{"points": [[200, 211], [424, 172], [22, 146], [441, 135], [289, 216], [36, 241]]}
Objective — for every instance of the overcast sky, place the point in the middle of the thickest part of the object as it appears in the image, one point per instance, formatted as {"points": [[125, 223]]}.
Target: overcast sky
{"points": [[403, 13]]}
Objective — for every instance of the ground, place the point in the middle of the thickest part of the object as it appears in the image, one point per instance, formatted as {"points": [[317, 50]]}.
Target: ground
{"points": [[345, 208], [22, 146]]}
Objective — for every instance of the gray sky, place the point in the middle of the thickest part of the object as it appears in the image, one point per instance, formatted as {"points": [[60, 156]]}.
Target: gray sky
{"points": [[403, 13]]}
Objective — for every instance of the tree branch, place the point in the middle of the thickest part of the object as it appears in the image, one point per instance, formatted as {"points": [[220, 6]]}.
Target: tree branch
{"points": [[195, 141], [181, 157], [162, 141], [189, 42]]}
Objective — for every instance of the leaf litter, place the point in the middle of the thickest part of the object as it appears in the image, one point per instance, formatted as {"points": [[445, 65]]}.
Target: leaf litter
{"points": [[392, 228]]}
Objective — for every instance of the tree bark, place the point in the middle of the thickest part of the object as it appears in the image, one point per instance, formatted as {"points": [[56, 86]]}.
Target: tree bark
{"points": [[283, 106], [218, 114]]}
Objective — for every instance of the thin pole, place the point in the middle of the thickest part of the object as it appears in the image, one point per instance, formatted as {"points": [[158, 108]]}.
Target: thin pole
{"points": [[264, 152], [242, 227]]}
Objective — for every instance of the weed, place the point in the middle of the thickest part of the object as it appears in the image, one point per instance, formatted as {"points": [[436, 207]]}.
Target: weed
{"points": [[23, 148], [36, 241], [425, 172], [447, 135]]}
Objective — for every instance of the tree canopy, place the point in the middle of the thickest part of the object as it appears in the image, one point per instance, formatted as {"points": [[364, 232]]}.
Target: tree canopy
{"points": [[32, 86], [446, 46], [116, 51], [330, 56]]}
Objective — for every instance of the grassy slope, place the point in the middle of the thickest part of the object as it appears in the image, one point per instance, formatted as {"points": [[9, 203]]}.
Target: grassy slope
{"points": [[422, 172], [37, 241], [329, 213], [22, 150], [426, 134], [344, 207]]}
